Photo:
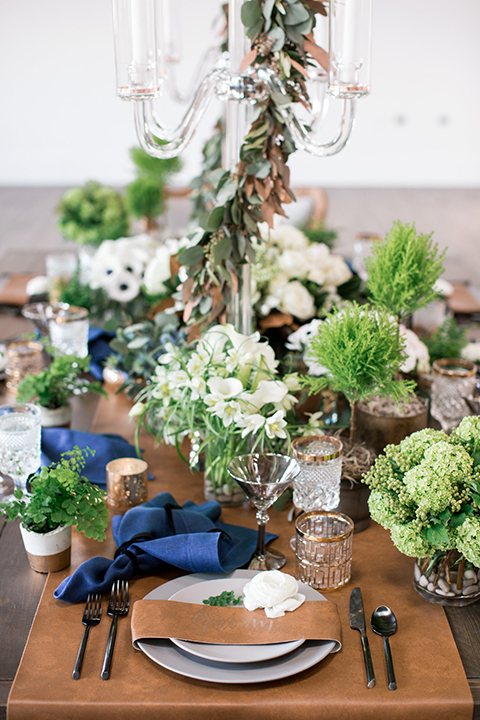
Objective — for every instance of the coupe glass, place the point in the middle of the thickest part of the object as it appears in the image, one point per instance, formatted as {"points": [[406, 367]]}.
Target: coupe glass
{"points": [[263, 478]]}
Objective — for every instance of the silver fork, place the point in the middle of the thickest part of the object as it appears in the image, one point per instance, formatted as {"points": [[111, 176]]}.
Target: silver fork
{"points": [[118, 605], [92, 615]]}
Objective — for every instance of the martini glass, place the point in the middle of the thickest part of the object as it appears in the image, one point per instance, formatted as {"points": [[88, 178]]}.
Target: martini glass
{"points": [[263, 478]]}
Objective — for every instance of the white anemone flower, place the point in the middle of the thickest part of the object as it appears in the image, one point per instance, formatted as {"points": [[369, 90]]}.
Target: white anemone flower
{"points": [[274, 425]]}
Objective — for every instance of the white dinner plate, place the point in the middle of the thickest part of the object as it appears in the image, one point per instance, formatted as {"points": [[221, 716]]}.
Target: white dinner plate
{"points": [[171, 657], [195, 594]]}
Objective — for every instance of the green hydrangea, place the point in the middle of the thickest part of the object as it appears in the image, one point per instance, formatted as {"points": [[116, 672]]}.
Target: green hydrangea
{"points": [[468, 539], [436, 480], [386, 510], [469, 429], [409, 539], [411, 451]]}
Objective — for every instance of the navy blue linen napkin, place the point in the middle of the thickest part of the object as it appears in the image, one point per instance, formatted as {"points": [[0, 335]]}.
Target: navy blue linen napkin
{"points": [[159, 535], [56, 441], [98, 349]]}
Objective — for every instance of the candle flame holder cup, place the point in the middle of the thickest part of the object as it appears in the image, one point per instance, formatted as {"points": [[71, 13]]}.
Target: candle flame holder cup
{"points": [[23, 358], [127, 480], [323, 549]]}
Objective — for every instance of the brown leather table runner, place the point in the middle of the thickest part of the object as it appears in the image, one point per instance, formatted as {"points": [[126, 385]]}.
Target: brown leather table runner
{"points": [[430, 676]]}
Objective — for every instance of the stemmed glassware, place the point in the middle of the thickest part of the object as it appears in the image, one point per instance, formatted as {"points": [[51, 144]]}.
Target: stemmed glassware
{"points": [[263, 478]]}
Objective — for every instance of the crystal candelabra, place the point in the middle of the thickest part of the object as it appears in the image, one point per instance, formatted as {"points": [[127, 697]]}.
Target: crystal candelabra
{"points": [[146, 50]]}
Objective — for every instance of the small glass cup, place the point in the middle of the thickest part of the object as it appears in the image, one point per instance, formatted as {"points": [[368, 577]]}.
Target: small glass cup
{"points": [[127, 484], [323, 549], [317, 487], [453, 380], [23, 357], [68, 328], [20, 442]]}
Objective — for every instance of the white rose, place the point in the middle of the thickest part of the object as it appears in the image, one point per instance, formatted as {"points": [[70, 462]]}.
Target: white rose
{"points": [[443, 287], [287, 236], [337, 271], [416, 351], [297, 301], [293, 263], [277, 284], [157, 272], [317, 256], [273, 590]]}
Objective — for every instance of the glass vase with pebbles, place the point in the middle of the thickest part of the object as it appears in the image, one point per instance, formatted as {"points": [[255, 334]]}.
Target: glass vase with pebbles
{"points": [[449, 580]]}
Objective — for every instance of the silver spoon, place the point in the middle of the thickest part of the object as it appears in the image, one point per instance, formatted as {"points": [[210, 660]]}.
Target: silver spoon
{"points": [[384, 623]]}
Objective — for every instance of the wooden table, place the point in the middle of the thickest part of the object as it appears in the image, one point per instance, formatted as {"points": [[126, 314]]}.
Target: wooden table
{"points": [[21, 588]]}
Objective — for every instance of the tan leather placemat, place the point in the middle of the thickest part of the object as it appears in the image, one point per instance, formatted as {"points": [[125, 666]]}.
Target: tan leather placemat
{"points": [[430, 676], [233, 625]]}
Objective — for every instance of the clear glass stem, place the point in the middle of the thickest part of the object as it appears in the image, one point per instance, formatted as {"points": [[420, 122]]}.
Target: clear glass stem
{"points": [[239, 309], [260, 550]]}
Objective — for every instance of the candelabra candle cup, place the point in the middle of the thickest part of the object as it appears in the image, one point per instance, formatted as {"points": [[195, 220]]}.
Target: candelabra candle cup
{"points": [[23, 357], [127, 480], [323, 549], [68, 329], [453, 380], [317, 487], [20, 437]]}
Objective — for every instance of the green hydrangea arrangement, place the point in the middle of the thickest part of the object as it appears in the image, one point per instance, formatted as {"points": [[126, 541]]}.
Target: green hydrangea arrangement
{"points": [[426, 491]]}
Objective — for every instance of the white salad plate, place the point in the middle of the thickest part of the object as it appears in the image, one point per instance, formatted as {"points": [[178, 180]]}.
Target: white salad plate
{"points": [[195, 594], [172, 657]]}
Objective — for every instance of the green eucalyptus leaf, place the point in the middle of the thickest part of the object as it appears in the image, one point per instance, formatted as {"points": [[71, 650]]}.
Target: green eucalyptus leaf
{"points": [[251, 13], [254, 30], [281, 99], [279, 36], [226, 193], [137, 343], [260, 169], [215, 219], [191, 256], [296, 13], [222, 249]]}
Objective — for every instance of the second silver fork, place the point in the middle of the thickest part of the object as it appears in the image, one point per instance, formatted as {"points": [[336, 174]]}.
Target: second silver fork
{"points": [[118, 605], [91, 616]]}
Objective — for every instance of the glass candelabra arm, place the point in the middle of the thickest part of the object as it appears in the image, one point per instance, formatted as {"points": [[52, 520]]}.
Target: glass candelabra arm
{"points": [[303, 137], [149, 128], [210, 59]]}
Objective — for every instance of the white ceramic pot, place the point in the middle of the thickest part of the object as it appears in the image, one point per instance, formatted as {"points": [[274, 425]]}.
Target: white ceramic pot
{"points": [[48, 552], [56, 417]]}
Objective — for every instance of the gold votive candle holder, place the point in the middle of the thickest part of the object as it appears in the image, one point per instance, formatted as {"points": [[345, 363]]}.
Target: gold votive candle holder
{"points": [[127, 487], [323, 549], [23, 357]]}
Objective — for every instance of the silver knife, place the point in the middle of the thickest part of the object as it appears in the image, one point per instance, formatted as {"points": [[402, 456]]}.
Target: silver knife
{"points": [[357, 622]]}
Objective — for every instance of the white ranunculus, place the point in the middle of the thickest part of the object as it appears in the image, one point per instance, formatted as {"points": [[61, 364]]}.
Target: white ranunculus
{"points": [[317, 257], [287, 236], [293, 263], [297, 301], [157, 272], [471, 352], [274, 591], [418, 357], [277, 284], [39, 285], [337, 271]]}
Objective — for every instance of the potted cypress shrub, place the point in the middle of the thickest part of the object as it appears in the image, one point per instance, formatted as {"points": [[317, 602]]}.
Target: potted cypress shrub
{"points": [[60, 498], [402, 271], [52, 388], [362, 351]]}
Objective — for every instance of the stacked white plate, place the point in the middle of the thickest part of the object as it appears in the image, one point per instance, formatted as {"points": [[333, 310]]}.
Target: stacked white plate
{"points": [[236, 664]]}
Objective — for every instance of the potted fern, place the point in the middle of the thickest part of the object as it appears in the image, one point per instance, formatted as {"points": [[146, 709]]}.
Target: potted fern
{"points": [[402, 271], [52, 388], [60, 498], [361, 350]]}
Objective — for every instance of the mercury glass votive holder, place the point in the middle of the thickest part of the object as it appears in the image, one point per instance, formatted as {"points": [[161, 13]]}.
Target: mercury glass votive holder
{"points": [[323, 549], [317, 487], [23, 357], [127, 484], [453, 381]]}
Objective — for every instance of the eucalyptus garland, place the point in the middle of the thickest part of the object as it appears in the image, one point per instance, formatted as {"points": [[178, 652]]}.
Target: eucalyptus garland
{"points": [[281, 38]]}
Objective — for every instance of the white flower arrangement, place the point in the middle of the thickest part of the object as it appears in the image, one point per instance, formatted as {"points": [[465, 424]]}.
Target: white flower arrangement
{"points": [[294, 275], [226, 389]]}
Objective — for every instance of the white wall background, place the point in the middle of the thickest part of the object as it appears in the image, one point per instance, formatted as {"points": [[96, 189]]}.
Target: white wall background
{"points": [[61, 123]]}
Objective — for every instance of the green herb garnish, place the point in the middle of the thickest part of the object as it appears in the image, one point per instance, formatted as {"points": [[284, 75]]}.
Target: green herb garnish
{"points": [[227, 597]]}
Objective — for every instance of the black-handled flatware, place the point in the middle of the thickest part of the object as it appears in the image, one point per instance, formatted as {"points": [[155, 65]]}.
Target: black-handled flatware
{"points": [[357, 622], [92, 615], [118, 606], [384, 623]]}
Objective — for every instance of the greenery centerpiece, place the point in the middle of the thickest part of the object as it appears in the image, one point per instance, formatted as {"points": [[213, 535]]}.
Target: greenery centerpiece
{"points": [[224, 391], [426, 491], [59, 498], [92, 213], [62, 379], [360, 351]]}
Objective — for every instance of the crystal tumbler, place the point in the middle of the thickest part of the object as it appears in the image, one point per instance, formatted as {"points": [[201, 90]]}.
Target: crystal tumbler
{"points": [[68, 329], [20, 435], [23, 357], [318, 485], [453, 380], [323, 549]]}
